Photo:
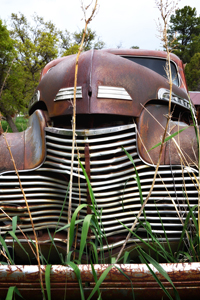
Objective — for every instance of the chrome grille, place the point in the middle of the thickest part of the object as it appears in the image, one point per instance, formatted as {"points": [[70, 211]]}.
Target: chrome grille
{"points": [[112, 179]]}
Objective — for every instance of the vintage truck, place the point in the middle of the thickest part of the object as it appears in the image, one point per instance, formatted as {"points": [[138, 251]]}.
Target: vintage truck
{"points": [[122, 100]]}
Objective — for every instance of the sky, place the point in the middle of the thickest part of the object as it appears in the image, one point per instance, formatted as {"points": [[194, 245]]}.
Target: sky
{"points": [[123, 23]]}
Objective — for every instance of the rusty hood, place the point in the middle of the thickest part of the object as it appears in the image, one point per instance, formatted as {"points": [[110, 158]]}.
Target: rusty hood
{"points": [[107, 84]]}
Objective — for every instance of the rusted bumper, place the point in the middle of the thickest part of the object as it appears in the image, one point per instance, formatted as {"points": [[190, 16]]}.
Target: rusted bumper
{"points": [[186, 278]]}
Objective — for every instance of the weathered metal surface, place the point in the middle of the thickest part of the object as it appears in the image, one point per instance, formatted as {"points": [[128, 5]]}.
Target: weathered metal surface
{"points": [[185, 277], [27, 147], [101, 68], [151, 126], [154, 53]]}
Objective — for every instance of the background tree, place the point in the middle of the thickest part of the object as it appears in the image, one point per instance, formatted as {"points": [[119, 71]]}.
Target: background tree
{"points": [[8, 100], [70, 42], [36, 45], [33, 44], [192, 71], [185, 26]]}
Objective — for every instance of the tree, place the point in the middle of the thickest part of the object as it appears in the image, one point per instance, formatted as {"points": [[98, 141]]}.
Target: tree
{"points": [[192, 72], [185, 27], [7, 55], [33, 45], [70, 43], [135, 47], [36, 45]]}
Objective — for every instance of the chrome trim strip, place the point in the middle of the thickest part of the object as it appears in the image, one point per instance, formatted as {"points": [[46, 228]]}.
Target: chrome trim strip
{"points": [[111, 92], [68, 93], [164, 94]]}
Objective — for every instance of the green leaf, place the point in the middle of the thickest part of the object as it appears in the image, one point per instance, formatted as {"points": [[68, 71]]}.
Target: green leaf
{"points": [[95, 279], [17, 240], [14, 223], [47, 281], [84, 234], [169, 137], [94, 252], [68, 225], [3, 243], [161, 271], [11, 291], [156, 278], [99, 282], [72, 225], [126, 258], [78, 276], [127, 278]]}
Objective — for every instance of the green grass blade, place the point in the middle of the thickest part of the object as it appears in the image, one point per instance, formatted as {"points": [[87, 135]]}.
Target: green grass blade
{"points": [[95, 279], [14, 223], [78, 276], [68, 225], [147, 244], [156, 278], [168, 243], [63, 206], [43, 259], [94, 252], [17, 240], [137, 179], [127, 278], [84, 234], [11, 291], [90, 190], [47, 281], [53, 243], [169, 137], [126, 258], [161, 271], [72, 225], [99, 282], [3, 243]]}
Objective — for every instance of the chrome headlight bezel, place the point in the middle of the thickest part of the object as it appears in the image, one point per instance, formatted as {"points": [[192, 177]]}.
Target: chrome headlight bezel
{"points": [[164, 94]]}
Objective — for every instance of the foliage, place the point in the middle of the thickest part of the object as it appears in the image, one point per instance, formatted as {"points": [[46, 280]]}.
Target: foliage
{"points": [[135, 47], [185, 28], [33, 44], [6, 51], [70, 42], [7, 55], [192, 72], [36, 45]]}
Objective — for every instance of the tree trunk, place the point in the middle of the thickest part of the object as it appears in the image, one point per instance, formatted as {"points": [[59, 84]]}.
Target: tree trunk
{"points": [[11, 123], [8, 118]]}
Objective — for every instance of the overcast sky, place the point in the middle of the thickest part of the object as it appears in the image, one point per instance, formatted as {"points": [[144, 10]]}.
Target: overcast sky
{"points": [[118, 22]]}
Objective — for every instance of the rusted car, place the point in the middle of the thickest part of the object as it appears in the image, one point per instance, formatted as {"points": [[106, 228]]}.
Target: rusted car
{"points": [[122, 101]]}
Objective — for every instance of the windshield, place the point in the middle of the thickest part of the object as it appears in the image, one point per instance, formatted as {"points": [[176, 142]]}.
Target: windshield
{"points": [[157, 65]]}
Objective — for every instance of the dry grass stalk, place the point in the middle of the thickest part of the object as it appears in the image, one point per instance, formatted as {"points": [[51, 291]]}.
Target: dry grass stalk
{"points": [[87, 21], [29, 212], [165, 11]]}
